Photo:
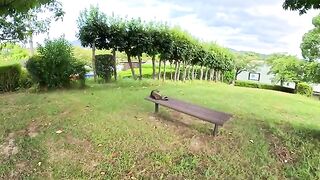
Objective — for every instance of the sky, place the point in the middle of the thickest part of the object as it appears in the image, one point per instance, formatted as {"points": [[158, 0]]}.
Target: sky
{"points": [[250, 25]]}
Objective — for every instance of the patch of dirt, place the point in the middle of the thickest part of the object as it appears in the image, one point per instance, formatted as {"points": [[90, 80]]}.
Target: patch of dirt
{"points": [[20, 167], [9, 148], [80, 152], [279, 150], [32, 130], [197, 144]]}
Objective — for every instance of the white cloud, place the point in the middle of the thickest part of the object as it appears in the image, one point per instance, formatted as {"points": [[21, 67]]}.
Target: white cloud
{"points": [[225, 28]]}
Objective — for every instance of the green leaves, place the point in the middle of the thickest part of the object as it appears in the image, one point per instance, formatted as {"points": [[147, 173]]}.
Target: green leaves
{"points": [[135, 37], [310, 45], [287, 68], [301, 5], [55, 64], [19, 19]]}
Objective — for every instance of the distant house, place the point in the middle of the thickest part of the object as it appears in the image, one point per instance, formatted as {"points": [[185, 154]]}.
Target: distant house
{"points": [[262, 75]]}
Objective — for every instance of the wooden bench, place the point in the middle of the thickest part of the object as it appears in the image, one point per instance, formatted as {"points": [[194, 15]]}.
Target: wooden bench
{"points": [[206, 114]]}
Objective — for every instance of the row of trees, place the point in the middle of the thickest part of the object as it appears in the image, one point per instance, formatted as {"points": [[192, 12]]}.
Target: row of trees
{"points": [[170, 45]]}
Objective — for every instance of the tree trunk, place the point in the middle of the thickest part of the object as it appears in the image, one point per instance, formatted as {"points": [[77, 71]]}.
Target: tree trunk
{"points": [[192, 75], [188, 73], [211, 75], [281, 82], [131, 67], [236, 75], [215, 75], [179, 64], [115, 64], [94, 61], [222, 77], [140, 67], [206, 76], [171, 73], [196, 73], [201, 74], [164, 70], [184, 72], [175, 70], [31, 44], [154, 67], [159, 70]]}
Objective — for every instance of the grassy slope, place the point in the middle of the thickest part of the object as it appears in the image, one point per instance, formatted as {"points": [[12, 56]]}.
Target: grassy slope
{"points": [[110, 131]]}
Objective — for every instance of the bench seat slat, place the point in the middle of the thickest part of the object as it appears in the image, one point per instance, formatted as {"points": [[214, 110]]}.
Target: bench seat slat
{"points": [[197, 111]]}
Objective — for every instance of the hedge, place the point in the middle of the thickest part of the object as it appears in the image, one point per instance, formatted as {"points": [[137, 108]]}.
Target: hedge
{"points": [[251, 84], [9, 77], [104, 66]]}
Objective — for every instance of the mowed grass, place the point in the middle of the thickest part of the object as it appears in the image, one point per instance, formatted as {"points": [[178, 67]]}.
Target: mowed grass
{"points": [[110, 131]]}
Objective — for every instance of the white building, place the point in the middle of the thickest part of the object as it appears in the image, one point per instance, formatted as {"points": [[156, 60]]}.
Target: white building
{"points": [[261, 75]]}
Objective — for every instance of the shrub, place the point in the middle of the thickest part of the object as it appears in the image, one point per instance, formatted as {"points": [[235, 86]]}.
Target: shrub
{"points": [[104, 66], [304, 89], [25, 80], [228, 76], [55, 66], [263, 86], [78, 70], [9, 77], [36, 69]]}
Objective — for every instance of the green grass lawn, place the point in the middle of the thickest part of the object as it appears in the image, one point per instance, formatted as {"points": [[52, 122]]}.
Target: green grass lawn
{"points": [[108, 130]]}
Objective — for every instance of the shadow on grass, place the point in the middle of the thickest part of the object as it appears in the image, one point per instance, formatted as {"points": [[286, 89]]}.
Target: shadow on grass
{"points": [[186, 122]]}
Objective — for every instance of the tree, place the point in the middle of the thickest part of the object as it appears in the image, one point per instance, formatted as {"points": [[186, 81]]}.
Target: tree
{"points": [[137, 37], [159, 43], [301, 5], [19, 19], [310, 46], [312, 70], [134, 42], [287, 68], [245, 62], [91, 24]]}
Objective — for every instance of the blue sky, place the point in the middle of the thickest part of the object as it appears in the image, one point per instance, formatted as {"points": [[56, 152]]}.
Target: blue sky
{"points": [[251, 25]]}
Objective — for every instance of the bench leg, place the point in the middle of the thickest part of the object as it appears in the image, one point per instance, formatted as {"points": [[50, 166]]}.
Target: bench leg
{"points": [[156, 107], [215, 130]]}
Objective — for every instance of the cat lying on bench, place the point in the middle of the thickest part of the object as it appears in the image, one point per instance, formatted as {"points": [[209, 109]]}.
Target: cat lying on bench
{"points": [[155, 94]]}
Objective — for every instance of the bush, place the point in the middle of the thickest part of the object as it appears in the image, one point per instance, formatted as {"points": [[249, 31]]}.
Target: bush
{"points": [[304, 89], [9, 77], [55, 66], [228, 76], [104, 66], [25, 80], [78, 71], [263, 86]]}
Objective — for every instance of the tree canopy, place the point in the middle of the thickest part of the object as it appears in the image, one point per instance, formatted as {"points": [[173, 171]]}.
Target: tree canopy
{"points": [[23, 6], [301, 5], [287, 68], [248, 61], [310, 46], [135, 37], [20, 18]]}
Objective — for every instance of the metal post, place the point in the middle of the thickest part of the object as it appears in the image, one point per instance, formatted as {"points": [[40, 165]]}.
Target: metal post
{"points": [[156, 107], [215, 130]]}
